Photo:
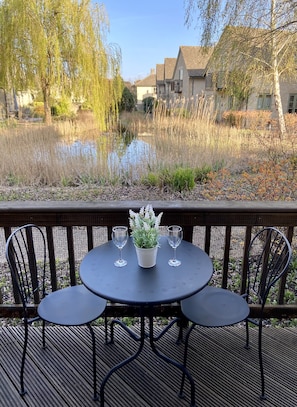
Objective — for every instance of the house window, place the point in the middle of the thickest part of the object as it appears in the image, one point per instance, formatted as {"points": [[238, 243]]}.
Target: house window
{"points": [[264, 102], [181, 73], [292, 108], [172, 85]]}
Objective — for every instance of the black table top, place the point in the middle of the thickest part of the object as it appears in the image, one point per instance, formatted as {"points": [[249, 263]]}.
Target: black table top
{"points": [[135, 285]]}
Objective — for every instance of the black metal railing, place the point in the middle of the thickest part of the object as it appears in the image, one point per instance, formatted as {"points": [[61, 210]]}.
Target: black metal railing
{"points": [[222, 229]]}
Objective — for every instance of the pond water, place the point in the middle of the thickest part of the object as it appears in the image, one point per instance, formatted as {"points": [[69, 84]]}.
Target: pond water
{"points": [[136, 155], [121, 155]]}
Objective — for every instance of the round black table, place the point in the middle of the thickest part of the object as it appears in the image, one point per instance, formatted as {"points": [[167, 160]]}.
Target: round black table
{"points": [[134, 285]]}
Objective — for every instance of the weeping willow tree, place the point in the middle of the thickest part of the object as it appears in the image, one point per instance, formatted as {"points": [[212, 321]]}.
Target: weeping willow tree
{"points": [[263, 41], [59, 47]]}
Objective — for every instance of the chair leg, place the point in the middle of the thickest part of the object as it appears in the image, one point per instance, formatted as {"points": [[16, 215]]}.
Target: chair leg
{"points": [[180, 335], [262, 396], [22, 390], [43, 334], [182, 324], [247, 336], [95, 395], [185, 360], [106, 329]]}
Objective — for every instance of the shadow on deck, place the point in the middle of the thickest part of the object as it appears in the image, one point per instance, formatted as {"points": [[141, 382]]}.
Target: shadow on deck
{"points": [[225, 373]]}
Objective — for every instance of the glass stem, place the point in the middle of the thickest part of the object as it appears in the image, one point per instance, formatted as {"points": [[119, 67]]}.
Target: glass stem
{"points": [[120, 255], [174, 254]]}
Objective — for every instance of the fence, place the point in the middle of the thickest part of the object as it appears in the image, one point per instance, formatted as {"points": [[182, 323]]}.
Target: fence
{"points": [[222, 229]]}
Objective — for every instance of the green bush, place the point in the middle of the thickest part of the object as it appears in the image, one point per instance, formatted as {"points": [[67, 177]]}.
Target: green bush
{"points": [[151, 179], [179, 179], [165, 177], [148, 104], [128, 101], [62, 108], [183, 179]]}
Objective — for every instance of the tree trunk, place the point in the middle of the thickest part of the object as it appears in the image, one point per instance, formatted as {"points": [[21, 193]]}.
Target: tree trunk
{"points": [[46, 103], [6, 103], [278, 103], [276, 84]]}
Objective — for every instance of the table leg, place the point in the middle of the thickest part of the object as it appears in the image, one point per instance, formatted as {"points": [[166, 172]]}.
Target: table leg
{"points": [[126, 361], [152, 340], [125, 327], [169, 360]]}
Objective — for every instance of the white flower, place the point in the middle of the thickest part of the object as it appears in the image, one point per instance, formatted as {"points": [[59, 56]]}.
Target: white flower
{"points": [[145, 227]]}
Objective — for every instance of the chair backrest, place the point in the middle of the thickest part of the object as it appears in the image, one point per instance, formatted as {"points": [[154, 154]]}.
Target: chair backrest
{"points": [[26, 256], [269, 259]]}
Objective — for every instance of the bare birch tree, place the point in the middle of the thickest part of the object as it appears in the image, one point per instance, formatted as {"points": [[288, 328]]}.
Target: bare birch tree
{"points": [[59, 47], [271, 30]]}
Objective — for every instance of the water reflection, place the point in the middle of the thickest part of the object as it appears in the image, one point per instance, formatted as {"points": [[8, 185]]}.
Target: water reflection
{"points": [[138, 155], [122, 155], [78, 149]]}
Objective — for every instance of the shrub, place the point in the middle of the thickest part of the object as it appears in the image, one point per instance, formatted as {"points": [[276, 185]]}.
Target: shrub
{"points": [[183, 179], [179, 179], [152, 179], [61, 108], [148, 104], [165, 178], [253, 119], [202, 174], [128, 101], [38, 109]]}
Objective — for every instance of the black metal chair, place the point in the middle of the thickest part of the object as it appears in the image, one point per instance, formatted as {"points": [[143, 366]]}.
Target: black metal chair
{"points": [[26, 254], [269, 256]]}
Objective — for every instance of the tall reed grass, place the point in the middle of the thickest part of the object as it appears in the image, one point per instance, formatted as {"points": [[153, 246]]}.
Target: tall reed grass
{"points": [[180, 136]]}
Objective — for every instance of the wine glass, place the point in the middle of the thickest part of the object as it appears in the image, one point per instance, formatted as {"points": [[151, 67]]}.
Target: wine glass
{"points": [[174, 236], [119, 237]]}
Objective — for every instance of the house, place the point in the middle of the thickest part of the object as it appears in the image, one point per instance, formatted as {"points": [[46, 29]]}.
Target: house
{"points": [[189, 72], [146, 88], [233, 76], [165, 83], [224, 74], [160, 82]]}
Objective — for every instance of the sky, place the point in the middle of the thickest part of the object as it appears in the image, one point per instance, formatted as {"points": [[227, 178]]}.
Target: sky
{"points": [[147, 32]]}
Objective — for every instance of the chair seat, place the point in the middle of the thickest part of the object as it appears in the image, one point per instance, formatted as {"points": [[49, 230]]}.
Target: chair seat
{"points": [[71, 306], [215, 307]]}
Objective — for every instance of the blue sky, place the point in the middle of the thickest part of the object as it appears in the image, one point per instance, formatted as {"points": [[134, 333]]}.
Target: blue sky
{"points": [[147, 32]]}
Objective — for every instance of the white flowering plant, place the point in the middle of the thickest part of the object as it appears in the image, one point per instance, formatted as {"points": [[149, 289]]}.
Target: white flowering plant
{"points": [[144, 227]]}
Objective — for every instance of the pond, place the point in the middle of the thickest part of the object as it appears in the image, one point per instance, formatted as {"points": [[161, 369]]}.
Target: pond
{"points": [[122, 155]]}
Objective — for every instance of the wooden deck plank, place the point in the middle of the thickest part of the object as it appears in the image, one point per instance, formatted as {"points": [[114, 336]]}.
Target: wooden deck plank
{"points": [[148, 368], [226, 374], [236, 368], [39, 387]]}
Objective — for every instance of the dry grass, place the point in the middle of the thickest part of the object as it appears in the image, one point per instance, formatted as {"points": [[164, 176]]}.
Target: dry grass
{"points": [[29, 154], [191, 138]]}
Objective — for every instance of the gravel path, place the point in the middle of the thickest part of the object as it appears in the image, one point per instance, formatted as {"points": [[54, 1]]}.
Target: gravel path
{"points": [[98, 193]]}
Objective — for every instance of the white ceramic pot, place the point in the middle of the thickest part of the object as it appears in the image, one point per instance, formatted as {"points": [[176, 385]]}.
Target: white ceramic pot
{"points": [[146, 257]]}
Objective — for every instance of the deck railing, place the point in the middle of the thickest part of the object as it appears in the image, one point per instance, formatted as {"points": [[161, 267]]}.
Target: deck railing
{"points": [[222, 228]]}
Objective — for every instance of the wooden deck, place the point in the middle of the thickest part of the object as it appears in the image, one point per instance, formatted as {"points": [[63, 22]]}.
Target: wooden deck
{"points": [[226, 374]]}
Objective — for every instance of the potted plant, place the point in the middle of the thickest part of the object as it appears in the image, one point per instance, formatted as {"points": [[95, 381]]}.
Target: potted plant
{"points": [[145, 232]]}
